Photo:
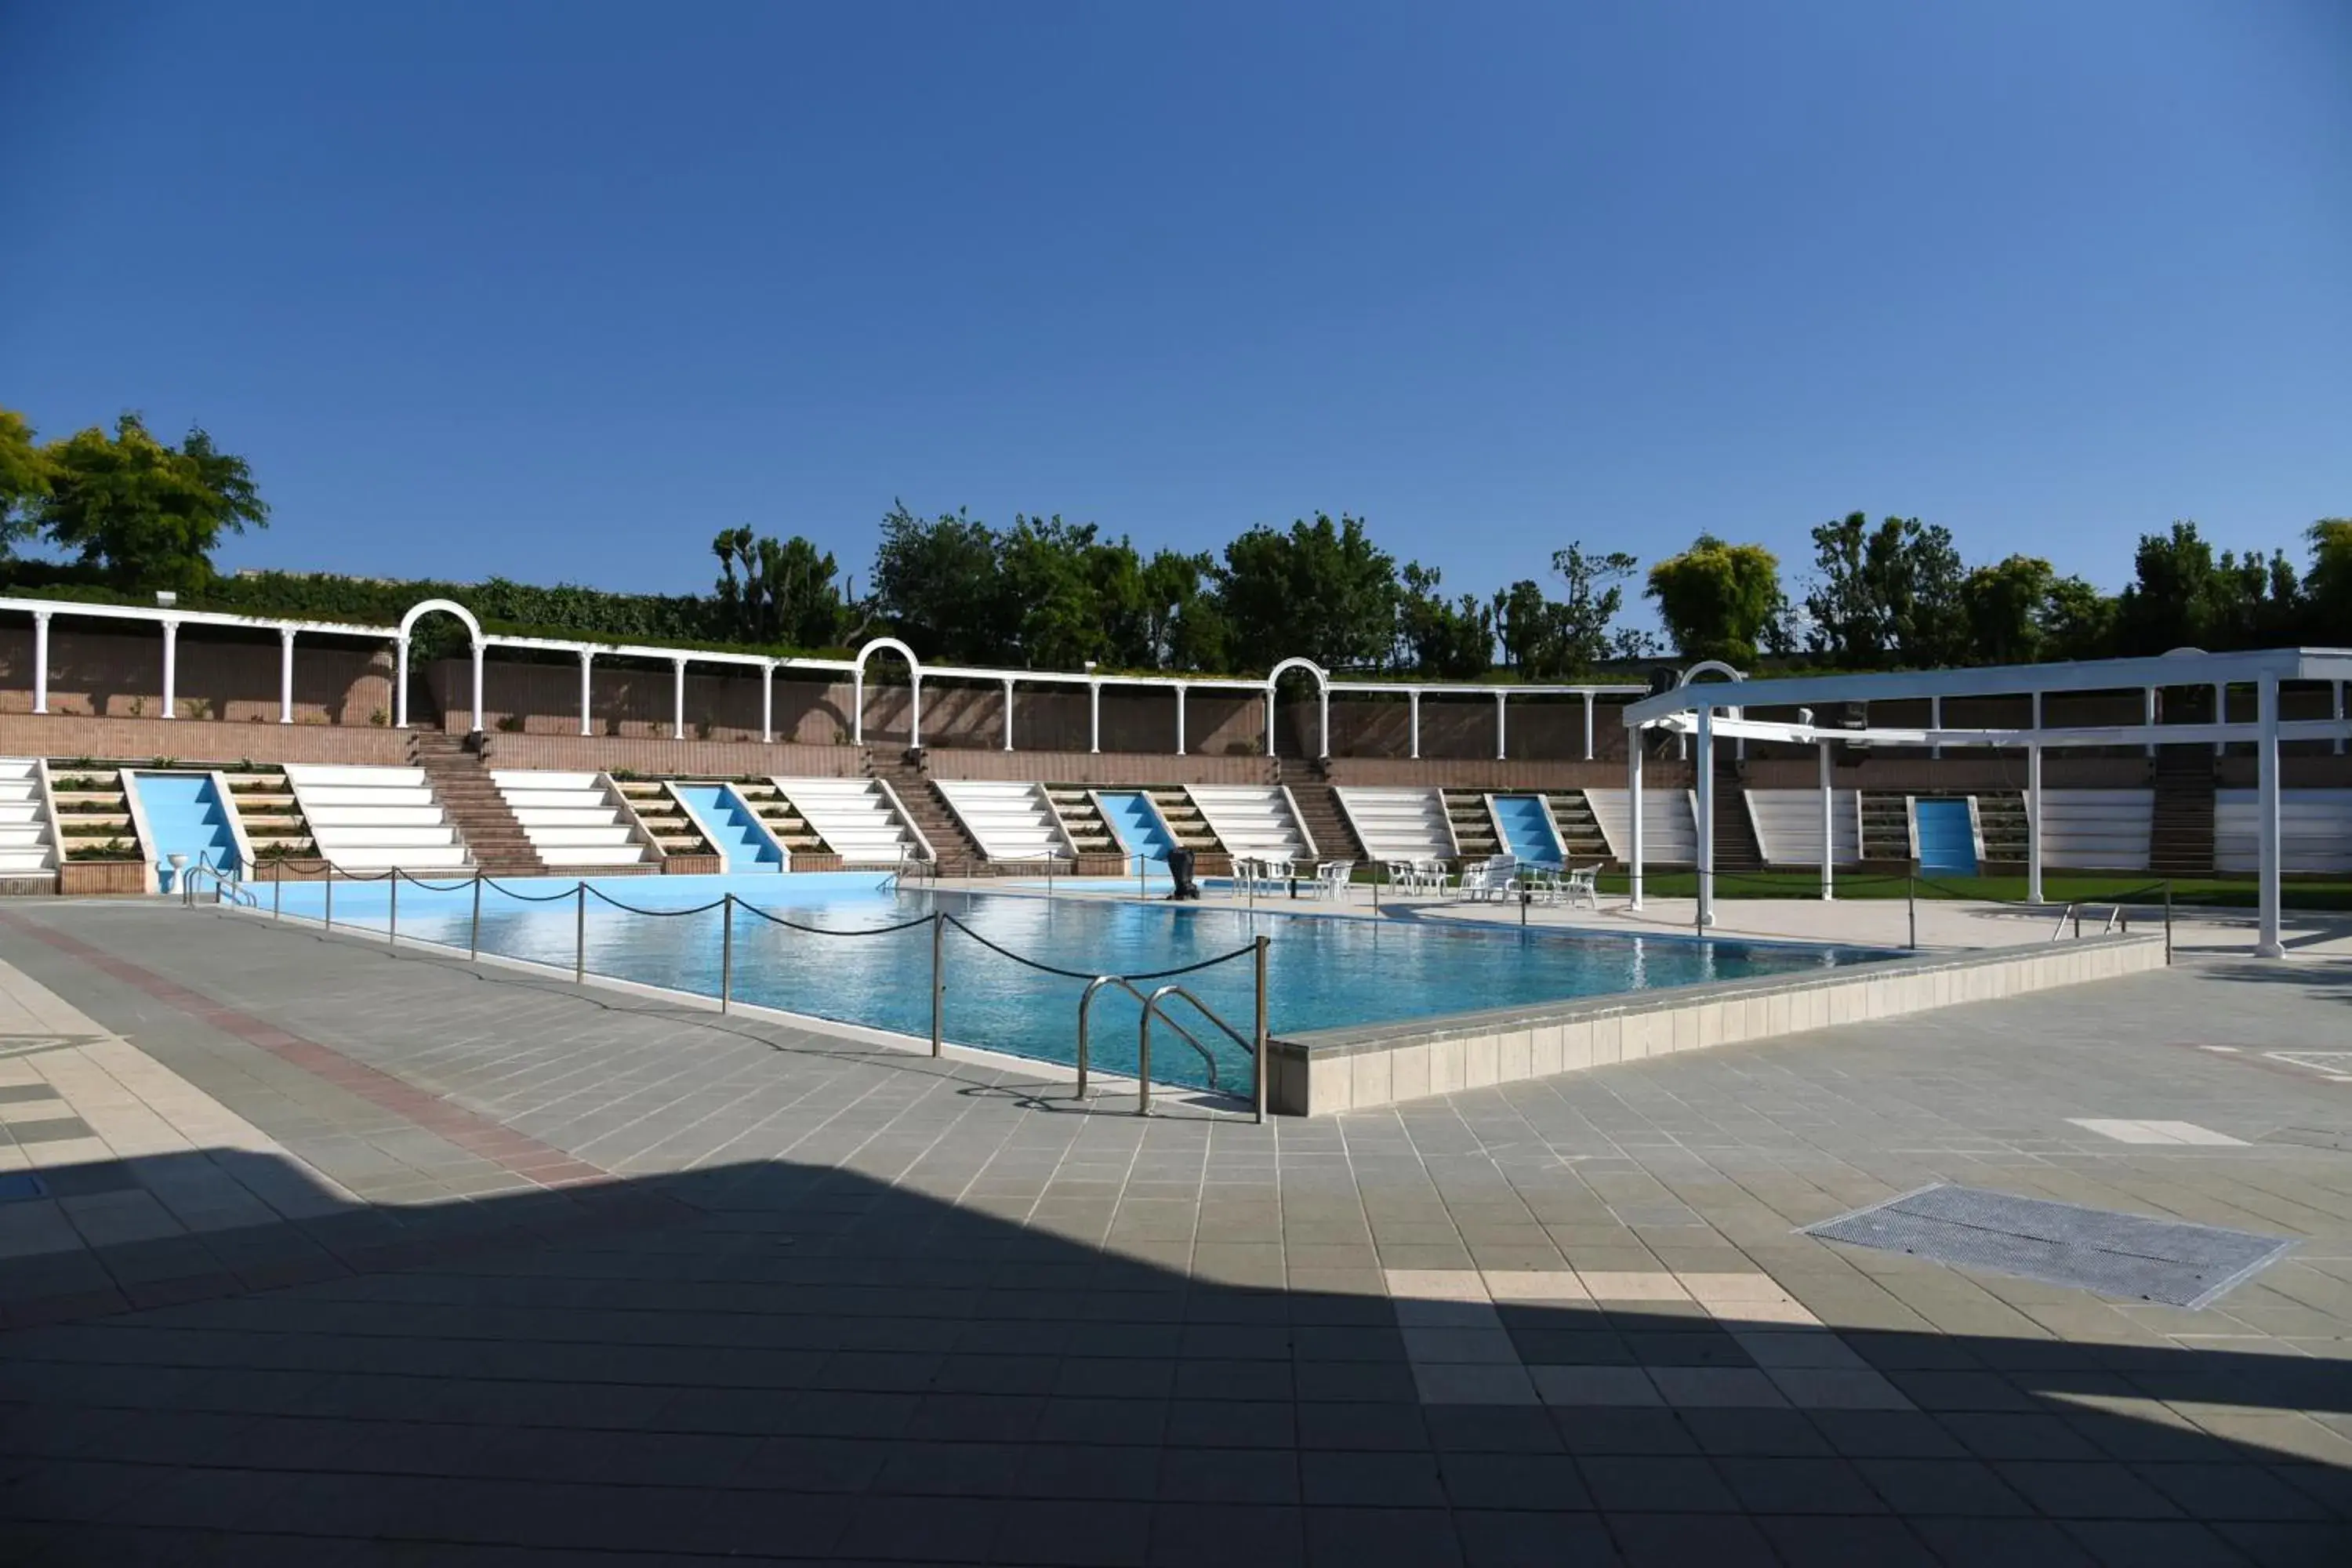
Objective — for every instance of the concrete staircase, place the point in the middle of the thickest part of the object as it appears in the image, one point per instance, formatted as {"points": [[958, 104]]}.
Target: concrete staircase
{"points": [[1581, 839], [2181, 837], [486, 825], [28, 848], [1325, 824], [1183, 818], [959, 854], [1885, 826], [1736, 849], [1474, 825], [2000, 818]]}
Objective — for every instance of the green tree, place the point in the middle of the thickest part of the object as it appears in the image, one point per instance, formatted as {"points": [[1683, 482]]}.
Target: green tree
{"points": [[1451, 638], [1053, 599], [1185, 626], [2077, 621], [24, 480], [2007, 606], [144, 514], [1718, 600], [2171, 600], [2328, 586], [1322, 590], [776, 593], [938, 584], [1887, 595]]}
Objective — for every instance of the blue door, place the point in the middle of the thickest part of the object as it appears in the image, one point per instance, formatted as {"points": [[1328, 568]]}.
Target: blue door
{"points": [[1947, 842]]}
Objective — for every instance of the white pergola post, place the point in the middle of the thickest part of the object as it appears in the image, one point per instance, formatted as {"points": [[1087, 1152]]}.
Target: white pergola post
{"points": [[1180, 718], [1412, 722], [1634, 813], [1323, 725], [1269, 718], [2266, 805], [1828, 829], [1500, 751], [1094, 716], [400, 683], [915, 710], [677, 699], [1008, 713], [477, 688], [587, 688], [2147, 714], [1935, 721], [2033, 809], [41, 667], [170, 669], [1705, 795], [858, 706], [286, 675], [2221, 713], [2339, 716], [767, 704], [2034, 823], [1588, 726]]}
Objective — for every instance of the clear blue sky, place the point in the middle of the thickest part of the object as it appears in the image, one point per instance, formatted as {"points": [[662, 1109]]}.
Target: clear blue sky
{"points": [[559, 290]]}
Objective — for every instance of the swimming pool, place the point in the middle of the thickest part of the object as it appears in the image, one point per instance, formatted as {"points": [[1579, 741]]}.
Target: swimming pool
{"points": [[1322, 972]]}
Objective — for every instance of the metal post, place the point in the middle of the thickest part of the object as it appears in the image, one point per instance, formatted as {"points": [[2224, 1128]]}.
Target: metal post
{"points": [[2168, 922], [277, 889], [1911, 907], [1829, 828], [392, 924], [1634, 813], [726, 952], [1705, 814], [580, 935], [938, 980], [330, 898], [2034, 823], [2268, 943], [474, 941], [1257, 1037]]}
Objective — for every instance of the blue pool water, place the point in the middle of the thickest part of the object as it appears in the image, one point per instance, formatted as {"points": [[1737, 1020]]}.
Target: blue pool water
{"points": [[1527, 831], [734, 828], [1322, 972], [184, 817]]}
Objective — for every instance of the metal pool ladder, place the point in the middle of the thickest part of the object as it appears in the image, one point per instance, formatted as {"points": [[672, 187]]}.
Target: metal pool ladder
{"points": [[1155, 1006]]}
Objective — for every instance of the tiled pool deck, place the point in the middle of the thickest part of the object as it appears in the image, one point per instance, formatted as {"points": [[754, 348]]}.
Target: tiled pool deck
{"points": [[356, 1258]]}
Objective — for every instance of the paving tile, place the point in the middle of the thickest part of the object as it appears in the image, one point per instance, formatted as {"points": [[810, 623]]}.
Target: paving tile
{"points": [[1595, 1385], [1705, 1386], [1470, 1384], [1662, 1540], [1534, 1539]]}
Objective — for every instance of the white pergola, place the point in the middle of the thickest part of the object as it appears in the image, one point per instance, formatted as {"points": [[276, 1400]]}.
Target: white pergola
{"points": [[1701, 711], [170, 620]]}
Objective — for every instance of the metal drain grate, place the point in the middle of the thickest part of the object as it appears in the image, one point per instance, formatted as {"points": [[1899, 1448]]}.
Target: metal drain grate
{"points": [[2060, 1244]]}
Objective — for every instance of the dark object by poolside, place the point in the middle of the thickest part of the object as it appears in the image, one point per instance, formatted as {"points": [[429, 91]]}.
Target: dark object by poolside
{"points": [[1180, 871]]}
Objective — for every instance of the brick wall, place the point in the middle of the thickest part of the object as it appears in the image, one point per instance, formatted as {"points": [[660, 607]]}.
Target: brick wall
{"points": [[1105, 770], [197, 740], [226, 675], [1514, 774], [673, 759]]}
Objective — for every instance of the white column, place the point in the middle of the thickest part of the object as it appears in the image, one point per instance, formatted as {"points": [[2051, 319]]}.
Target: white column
{"points": [[170, 669], [1499, 749], [41, 668], [2266, 806], [1705, 797], [286, 675], [1935, 721], [1093, 715], [1634, 814], [2221, 713], [587, 693], [914, 711], [1323, 743], [1008, 715], [1180, 718], [1269, 718], [400, 684], [767, 704], [677, 699], [2034, 823], [1828, 829], [477, 688], [858, 706], [1588, 726], [1413, 722], [2339, 716], [2147, 714]]}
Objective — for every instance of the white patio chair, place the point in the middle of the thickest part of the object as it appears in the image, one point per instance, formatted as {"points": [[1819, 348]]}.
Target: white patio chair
{"points": [[1581, 887], [1331, 879]]}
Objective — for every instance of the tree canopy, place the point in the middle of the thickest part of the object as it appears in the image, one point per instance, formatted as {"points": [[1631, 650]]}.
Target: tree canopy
{"points": [[1718, 600], [140, 513]]}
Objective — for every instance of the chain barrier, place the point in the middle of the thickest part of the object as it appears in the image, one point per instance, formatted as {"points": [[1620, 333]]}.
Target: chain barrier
{"points": [[1086, 975]]}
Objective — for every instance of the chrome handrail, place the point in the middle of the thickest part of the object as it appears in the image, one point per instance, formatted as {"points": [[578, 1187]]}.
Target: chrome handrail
{"points": [[224, 885], [1086, 1009], [1143, 1040]]}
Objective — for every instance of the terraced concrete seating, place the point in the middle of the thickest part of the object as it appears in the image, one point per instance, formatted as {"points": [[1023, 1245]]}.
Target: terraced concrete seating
{"points": [[1788, 824], [1669, 824], [569, 818], [1008, 820], [1254, 820], [371, 818], [27, 847], [2315, 830], [854, 818], [1399, 824]]}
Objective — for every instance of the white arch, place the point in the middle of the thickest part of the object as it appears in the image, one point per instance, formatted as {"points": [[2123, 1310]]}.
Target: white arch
{"points": [[858, 689], [1710, 666], [474, 633], [1323, 695]]}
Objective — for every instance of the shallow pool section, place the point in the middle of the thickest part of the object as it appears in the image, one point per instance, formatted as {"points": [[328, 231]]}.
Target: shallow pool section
{"points": [[1323, 972]]}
